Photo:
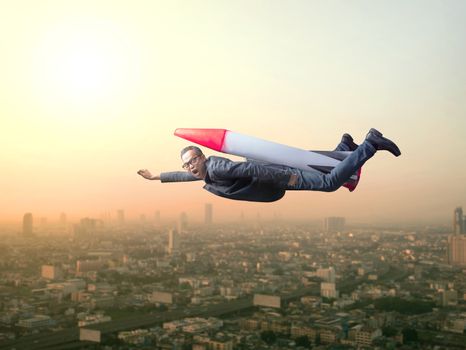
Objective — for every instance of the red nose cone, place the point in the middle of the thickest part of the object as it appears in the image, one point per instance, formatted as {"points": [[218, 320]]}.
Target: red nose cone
{"points": [[212, 138]]}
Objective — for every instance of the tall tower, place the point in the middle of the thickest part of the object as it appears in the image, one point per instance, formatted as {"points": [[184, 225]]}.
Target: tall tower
{"points": [[456, 250], [62, 219], [27, 225], [157, 217], [121, 216], [458, 221], [173, 242], [182, 222], [208, 214], [328, 290], [328, 275]]}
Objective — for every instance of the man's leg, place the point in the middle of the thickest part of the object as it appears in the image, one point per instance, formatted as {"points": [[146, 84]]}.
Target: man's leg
{"points": [[308, 180], [346, 143], [342, 172]]}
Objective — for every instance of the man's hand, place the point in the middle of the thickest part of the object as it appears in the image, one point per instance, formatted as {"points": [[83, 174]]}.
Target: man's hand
{"points": [[147, 175], [293, 180]]}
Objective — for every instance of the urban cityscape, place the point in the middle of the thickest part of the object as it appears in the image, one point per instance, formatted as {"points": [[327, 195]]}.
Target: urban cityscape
{"points": [[116, 283], [114, 238]]}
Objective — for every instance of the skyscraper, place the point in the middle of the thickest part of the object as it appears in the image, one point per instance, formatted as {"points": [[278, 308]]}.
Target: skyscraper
{"points": [[88, 226], [157, 217], [27, 225], [208, 214], [456, 249], [172, 241], [62, 219], [142, 218], [121, 216], [328, 290], [328, 275], [458, 221]]}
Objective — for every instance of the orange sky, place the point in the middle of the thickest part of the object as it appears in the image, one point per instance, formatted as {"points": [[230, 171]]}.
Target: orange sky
{"points": [[92, 91]]}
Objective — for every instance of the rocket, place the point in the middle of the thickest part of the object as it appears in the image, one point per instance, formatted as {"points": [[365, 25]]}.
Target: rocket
{"points": [[257, 149]]}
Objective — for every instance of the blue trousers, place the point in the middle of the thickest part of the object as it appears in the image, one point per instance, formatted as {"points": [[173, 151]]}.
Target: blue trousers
{"points": [[314, 181]]}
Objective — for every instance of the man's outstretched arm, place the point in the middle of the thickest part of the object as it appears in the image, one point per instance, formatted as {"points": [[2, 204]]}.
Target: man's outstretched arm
{"points": [[172, 176], [148, 175]]}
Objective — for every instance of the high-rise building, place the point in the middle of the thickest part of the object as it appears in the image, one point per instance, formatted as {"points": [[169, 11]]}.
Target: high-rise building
{"points": [[27, 225], [328, 290], [121, 216], [208, 214], [458, 222], [173, 242], [334, 224], [157, 217], [457, 250], [51, 272], [328, 275], [88, 226], [62, 219]]}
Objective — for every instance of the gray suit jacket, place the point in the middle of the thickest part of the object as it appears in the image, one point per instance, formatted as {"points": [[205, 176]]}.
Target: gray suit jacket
{"points": [[247, 181]]}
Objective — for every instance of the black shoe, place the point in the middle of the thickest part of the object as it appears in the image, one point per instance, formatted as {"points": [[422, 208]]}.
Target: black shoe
{"points": [[375, 138], [348, 141]]}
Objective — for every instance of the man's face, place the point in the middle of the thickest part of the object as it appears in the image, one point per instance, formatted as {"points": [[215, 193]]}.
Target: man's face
{"points": [[194, 163]]}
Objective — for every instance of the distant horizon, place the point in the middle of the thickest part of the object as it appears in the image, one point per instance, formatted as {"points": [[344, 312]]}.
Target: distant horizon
{"points": [[169, 220]]}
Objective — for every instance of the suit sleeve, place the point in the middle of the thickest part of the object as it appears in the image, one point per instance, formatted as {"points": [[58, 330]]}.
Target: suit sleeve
{"points": [[234, 170], [177, 176]]}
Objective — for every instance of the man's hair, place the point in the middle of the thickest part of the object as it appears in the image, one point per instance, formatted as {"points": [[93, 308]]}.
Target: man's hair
{"points": [[196, 149]]}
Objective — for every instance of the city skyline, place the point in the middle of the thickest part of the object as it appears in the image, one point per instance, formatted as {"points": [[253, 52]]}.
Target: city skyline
{"points": [[80, 119], [235, 287], [182, 224], [181, 219]]}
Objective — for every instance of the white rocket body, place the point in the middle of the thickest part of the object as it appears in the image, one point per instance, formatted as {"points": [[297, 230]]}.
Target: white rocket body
{"points": [[271, 152]]}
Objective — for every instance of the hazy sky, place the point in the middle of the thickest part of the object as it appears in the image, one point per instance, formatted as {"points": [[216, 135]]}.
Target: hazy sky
{"points": [[91, 91]]}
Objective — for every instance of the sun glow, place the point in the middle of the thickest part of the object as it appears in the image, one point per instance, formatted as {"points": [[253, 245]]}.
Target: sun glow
{"points": [[88, 64], [85, 69]]}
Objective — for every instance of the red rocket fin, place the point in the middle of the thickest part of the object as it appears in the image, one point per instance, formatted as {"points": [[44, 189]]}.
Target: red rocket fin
{"points": [[351, 185]]}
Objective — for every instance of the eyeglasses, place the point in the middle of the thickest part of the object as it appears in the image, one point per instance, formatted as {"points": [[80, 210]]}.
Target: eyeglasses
{"points": [[193, 161]]}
